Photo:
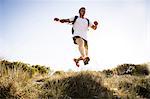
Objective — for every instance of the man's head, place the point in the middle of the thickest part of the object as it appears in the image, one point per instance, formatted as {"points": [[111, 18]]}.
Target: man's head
{"points": [[82, 11]]}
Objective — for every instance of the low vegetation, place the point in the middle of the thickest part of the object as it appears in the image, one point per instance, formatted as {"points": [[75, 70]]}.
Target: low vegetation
{"points": [[24, 81]]}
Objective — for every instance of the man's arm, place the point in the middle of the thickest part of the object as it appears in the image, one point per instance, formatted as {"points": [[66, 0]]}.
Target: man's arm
{"points": [[94, 27], [62, 20]]}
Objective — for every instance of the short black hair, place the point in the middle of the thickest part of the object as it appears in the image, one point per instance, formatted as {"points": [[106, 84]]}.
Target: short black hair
{"points": [[81, 8]]}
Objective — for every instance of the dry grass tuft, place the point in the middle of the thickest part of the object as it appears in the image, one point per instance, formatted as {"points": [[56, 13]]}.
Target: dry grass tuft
{"points": [[23, 81]]}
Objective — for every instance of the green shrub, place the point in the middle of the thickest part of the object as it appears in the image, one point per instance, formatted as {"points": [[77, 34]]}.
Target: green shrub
{"points": [[131, 69]]}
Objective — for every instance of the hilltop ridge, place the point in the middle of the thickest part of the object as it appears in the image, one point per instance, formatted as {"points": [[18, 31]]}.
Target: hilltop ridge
{"points": [[20, 80]]}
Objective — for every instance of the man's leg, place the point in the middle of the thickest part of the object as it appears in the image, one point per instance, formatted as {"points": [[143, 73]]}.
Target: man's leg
{"points": [[86, 48], [87, 59], [80, 43]]}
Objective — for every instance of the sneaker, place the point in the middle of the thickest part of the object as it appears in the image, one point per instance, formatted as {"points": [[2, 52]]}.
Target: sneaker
{"points": [[76, 62], [86, 60]]}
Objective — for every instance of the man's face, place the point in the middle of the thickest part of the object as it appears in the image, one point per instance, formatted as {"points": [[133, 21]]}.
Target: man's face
{"points": [[82, 11]]}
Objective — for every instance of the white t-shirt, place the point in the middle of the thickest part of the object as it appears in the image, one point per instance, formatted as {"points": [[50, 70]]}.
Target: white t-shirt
{"points": [[80, 27]]}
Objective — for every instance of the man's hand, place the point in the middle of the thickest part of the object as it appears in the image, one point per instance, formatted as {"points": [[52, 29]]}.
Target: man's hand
{"points": [[61, 20], [94, 27], [95, 23], [56, 19]]}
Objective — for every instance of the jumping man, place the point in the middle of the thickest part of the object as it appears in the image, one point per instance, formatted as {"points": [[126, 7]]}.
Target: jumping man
{"points": [[79, 31]]}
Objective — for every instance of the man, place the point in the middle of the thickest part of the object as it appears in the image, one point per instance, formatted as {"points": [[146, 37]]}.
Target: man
{"points": [[80, 28]]}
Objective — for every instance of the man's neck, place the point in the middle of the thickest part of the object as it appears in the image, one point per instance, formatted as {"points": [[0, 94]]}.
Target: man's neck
{"points": [[81, 16]]}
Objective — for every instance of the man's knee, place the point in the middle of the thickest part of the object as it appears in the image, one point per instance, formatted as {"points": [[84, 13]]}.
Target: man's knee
{"points": [[80, 41]]}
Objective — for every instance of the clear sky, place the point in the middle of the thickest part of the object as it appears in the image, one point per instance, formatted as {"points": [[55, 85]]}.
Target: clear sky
{"points": [[29, 34]]}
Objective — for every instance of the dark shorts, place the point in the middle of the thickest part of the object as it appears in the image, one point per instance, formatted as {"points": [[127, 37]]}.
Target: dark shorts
{"points": [[85, 41]]}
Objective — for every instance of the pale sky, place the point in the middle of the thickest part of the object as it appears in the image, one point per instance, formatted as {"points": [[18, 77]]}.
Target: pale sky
{"points": [[29, 34]]}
